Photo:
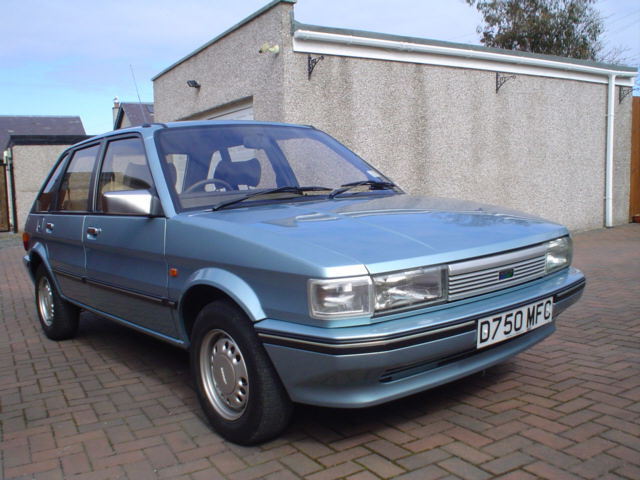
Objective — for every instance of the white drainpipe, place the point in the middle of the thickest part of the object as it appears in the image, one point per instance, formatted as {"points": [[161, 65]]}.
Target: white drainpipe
{"points": [[608, 175]]}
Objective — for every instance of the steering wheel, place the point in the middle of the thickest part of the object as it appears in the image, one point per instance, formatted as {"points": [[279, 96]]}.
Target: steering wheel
{"points": [[207, 181]]}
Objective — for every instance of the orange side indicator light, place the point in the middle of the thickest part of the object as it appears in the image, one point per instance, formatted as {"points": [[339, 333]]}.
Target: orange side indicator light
{"points": [[25, 240], [173, 272]]}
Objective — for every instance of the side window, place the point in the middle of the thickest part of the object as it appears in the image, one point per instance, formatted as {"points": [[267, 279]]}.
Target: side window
{"points": [[46, 197], [74, 191], [125, 167]]}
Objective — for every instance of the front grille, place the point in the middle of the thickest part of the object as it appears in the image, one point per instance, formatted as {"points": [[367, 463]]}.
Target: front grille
{"points": [[488, 274]]}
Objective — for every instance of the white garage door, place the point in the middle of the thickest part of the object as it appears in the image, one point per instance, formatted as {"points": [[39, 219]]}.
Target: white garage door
{"points": [[242, 113]]}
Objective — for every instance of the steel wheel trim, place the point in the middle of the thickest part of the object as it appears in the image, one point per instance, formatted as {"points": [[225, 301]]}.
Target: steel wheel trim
{"points": [[45, 301], [224, 376]]}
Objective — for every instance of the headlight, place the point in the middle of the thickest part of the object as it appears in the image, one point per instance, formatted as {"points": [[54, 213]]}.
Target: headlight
{"points": [[410, 287], [559, 253], [340, 297], [362, 296]]}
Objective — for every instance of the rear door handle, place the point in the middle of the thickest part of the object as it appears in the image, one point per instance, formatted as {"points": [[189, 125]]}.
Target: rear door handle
{"points": [[49, 227], [94, 231]]}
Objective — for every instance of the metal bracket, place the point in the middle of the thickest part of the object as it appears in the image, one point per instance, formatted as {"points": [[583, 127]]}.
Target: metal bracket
{"points": [[623, 93], [502, 79], [311, 64]]}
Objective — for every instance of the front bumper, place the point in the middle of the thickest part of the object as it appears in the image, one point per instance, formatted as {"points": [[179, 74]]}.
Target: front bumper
{"points": [[362, 366]]}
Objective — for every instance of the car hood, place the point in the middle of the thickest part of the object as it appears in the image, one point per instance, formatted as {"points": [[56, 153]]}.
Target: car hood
{"points": [[386, 232]]}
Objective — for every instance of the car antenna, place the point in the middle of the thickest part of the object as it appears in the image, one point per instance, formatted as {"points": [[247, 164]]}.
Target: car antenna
{"points": [[135, 83]]}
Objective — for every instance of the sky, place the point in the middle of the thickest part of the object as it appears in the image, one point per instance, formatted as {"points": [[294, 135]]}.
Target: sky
{"points": [[72, 57]]}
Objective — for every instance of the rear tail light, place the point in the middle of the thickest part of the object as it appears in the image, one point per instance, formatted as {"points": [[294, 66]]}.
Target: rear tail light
{"points": [[25, 240]]}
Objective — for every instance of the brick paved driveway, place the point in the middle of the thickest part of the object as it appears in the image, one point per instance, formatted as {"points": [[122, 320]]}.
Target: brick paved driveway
{"points": [[115, 404]]}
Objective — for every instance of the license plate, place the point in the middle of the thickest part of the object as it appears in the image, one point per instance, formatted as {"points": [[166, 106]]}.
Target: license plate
{"points": [[502, 326]]}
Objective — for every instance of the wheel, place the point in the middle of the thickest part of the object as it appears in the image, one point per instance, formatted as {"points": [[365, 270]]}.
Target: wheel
{"points": [[238, 387], [58, 318], [208, 181]]}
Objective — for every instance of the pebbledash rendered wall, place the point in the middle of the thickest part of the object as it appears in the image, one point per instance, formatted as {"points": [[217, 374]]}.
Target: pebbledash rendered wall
{"points": [[538, 145]]}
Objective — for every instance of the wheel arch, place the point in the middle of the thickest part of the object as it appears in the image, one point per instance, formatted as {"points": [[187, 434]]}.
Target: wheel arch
{"points": [[37, 257], [209, 285]]}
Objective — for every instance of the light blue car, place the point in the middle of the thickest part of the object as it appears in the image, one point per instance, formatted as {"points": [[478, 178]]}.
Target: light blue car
{"points": [[291, 269]]}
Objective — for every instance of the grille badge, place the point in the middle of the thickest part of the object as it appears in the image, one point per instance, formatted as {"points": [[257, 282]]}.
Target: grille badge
{"points": [[505, 274]]}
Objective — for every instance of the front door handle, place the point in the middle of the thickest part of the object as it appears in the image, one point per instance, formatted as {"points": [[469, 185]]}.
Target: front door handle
{"points": [[94, 231]]}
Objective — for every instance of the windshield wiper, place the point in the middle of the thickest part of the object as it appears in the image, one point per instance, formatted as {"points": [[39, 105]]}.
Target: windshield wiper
{"points": [[285, 189], [373, 184]]}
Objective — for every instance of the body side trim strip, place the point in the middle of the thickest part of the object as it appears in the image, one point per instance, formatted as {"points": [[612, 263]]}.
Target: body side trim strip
{"points": [[106, 286]]}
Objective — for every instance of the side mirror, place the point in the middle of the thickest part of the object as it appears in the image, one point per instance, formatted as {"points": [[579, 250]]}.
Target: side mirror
{"points": [[132, 202]]}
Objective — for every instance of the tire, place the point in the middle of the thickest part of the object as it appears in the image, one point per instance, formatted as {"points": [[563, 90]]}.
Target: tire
{"points": [[238, 387], [58, 318]]}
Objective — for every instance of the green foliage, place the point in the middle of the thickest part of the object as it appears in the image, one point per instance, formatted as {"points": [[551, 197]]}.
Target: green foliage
{"points": [[568, 28]]}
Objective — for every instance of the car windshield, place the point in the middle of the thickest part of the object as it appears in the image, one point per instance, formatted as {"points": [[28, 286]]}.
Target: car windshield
{"points": [[209, 165]]}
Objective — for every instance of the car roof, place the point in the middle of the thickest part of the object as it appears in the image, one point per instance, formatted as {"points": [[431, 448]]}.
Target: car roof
{"points": [[152, 127]]}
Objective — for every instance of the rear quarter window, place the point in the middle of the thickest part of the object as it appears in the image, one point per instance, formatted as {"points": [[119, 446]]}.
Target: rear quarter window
{"points": [[46, 198]]}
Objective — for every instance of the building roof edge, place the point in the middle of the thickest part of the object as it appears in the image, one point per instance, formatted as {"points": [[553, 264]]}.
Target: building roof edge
{"points": [[45, 139], [461, 46], [238, 25]]}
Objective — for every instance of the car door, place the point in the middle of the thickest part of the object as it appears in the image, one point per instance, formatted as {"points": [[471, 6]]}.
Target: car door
{"points": [[61, 227], [126, 267]]}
